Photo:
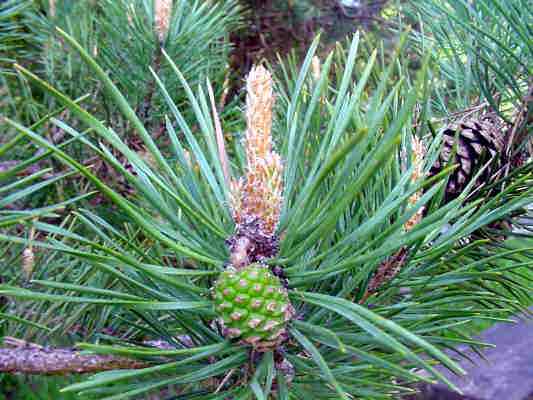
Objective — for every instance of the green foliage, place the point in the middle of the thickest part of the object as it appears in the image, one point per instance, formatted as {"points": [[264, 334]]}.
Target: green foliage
{"points": [[196, 42], [14, 38], [57, 64], [346, 201], [34, 388], [18, 41], [25, 180], [483, 50], [126, 47], [122, 37]]}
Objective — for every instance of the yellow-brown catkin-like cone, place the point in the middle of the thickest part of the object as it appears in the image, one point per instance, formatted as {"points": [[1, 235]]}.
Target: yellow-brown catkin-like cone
{"points": [[419, 152], [163, 13], [259, 104], [260, 194]]}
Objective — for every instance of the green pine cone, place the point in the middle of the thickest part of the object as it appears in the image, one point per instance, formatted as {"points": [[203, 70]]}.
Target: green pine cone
{"points": [[253, 305]]}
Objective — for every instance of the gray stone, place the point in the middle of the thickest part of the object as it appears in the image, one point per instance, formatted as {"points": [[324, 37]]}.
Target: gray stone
{"points": [[506, 374]]}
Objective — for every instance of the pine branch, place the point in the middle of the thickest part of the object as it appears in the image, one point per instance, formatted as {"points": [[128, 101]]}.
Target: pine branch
{"points": [[31, 358]]}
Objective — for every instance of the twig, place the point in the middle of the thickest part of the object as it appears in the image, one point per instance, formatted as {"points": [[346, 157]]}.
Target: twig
{"points": [[462, 113], [31, 358]]}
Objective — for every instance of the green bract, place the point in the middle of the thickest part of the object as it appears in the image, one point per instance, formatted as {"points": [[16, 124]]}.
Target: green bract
{"points": [[252, 304]]}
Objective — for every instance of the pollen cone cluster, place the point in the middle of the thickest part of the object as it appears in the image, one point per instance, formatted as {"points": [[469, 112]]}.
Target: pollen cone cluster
{"points": [[258, 196]]}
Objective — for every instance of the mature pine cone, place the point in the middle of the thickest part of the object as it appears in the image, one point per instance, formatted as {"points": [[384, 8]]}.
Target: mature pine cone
{"points": [[479, 145]]}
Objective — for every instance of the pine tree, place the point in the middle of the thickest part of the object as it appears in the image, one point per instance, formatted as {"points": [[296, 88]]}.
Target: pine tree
{"points": [[317, 195]]}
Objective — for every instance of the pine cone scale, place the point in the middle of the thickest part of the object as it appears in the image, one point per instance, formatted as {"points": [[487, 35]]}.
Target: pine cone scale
{"points": [[473, 144]]}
